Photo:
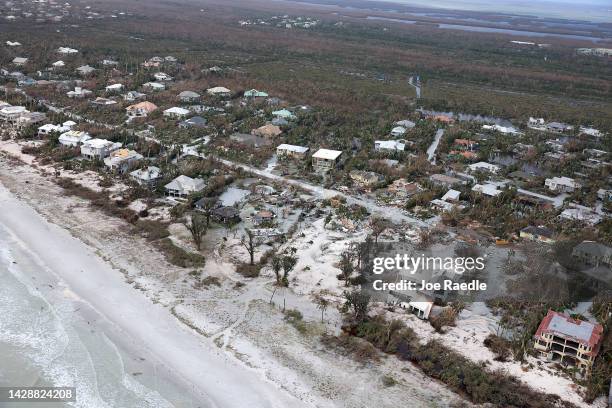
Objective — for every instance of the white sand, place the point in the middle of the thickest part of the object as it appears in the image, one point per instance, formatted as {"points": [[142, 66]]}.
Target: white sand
{"points": [[195, 362]]}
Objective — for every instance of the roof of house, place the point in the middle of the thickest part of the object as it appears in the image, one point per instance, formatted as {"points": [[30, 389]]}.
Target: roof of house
{"points": [[183, 183], [218, 90], [268, 130], [292, 148], [485, 166], [98, 143], [327, 154], [538, 231], [147, 174], [226, 212], [390, 144], [145, 106], [176, 110], [194, 121], [577, 330], [121, 155], [283, 113], [487, 189], [408, 124], [564, 181], [451, 195]]}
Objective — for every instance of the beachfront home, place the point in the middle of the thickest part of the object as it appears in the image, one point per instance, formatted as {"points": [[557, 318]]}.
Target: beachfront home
{"points": [[98, 148], [567, 341], [122, 160], [148, 176], [182, 186], [325, 159], [287, 150], [49, 128], [73, 138]]}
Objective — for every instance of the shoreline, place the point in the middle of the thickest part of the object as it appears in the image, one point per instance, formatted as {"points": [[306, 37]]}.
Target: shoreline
{"points": [[132, 321]]}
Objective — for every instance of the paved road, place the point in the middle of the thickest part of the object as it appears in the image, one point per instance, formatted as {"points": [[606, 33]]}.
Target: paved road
{"points": [[431, 151]]}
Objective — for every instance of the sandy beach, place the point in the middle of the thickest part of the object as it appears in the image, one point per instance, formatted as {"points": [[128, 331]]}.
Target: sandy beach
{"points": [[59, 265]]}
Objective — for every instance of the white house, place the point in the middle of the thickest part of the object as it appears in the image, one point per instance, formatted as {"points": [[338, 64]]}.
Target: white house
{"points": [[420, 309], [122, 160], [73, 138], [85, 70], [183, 186], [325, 159], [484, 166], [12, 113], [288, 150], [146, 177], [284, 114], [451, 195], [20, 61], [114, 88], [390, 145], [218, 91], [58, 64], [561, 184], [154, 86], [78, 92], [161, 76], [176, 113], [66, 50], [46, 130], [98, 148], [133, 95], [582, 214], [490, 190]]}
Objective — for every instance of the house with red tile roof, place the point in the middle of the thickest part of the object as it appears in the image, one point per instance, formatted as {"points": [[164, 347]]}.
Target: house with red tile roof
{"points": [[568, 341]]}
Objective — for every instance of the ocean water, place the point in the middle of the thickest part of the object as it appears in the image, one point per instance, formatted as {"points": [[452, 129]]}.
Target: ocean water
{"points": [[48, 337]]}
